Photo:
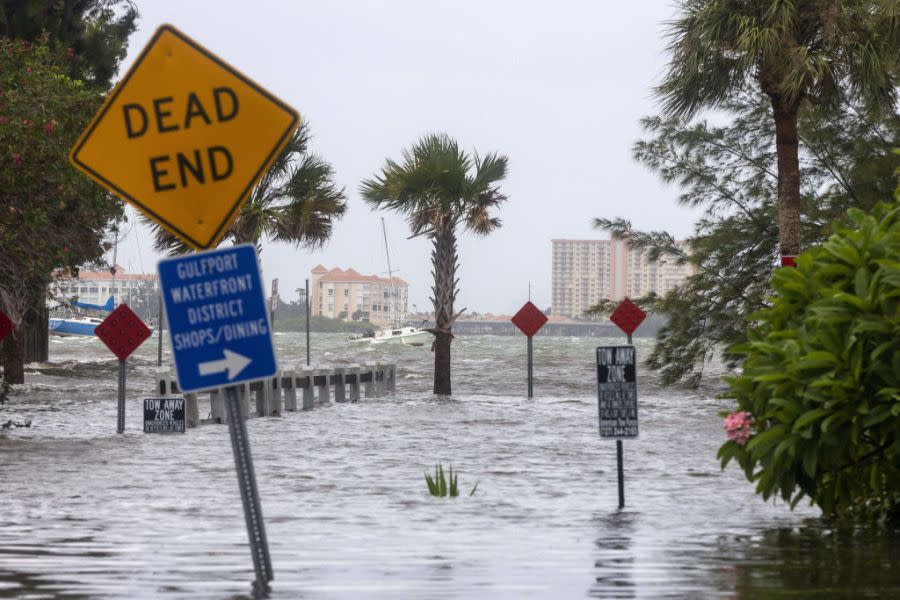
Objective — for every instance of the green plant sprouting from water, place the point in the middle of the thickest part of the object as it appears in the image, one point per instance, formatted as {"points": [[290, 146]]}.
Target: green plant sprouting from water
{"points": [[442, 486]]}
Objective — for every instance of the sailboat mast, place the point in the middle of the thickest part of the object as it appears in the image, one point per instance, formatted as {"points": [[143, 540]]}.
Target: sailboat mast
{"points": [[390, 275]]}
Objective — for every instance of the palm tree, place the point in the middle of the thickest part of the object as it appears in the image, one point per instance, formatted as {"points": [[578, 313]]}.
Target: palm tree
{"points": [[817, 51], [296, 201], [439, 187]]}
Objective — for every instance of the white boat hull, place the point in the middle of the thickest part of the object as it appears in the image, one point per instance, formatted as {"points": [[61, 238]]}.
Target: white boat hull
{"points": [[410, 336], [417, 339]]}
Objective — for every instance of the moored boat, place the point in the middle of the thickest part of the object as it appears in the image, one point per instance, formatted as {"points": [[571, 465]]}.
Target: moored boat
{"points": [[80, 325], [411, 336], [83, 326]]}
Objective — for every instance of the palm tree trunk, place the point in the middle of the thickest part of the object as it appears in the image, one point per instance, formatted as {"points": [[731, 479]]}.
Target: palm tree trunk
{"points": [[787, 149], [444, 261]]}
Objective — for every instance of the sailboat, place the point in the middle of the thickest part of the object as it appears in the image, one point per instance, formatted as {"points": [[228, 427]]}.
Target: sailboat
{"points": [[411, 336], [80, 326], [68, 326]]}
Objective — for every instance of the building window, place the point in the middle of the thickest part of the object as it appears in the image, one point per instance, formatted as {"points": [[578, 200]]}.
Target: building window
{"points": [[346, 291]]}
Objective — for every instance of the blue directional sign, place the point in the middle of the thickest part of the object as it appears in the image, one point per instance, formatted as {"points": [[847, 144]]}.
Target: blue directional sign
{"points": [[218, 322]]}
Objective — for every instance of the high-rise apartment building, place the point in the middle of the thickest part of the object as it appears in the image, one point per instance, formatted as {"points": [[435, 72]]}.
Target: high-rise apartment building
{"points": [[587, 271], [581, 274], [348, 295]]}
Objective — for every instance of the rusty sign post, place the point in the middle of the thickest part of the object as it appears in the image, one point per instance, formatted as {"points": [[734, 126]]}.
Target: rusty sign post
{"points": [[122, 332], [529, 320], [617, 387]]}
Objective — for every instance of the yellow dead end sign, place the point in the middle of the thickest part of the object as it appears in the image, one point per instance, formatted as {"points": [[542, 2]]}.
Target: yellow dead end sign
{"points": [[184, 137]]}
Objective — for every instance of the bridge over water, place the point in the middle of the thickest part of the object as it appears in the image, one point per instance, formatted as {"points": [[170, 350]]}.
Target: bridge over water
{"points": [[648, 328]]}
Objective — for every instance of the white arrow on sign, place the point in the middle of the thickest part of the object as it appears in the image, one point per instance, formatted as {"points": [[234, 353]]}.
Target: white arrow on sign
{"points": [[233, 362]]}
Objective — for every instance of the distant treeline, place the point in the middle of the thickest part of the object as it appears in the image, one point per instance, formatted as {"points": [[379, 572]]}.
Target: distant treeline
{"points": [[290, 316], [321, 325]]}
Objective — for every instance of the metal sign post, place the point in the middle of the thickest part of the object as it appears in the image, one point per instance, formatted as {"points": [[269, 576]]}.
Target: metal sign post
{"points": [[307, 322], [617, 401], [274, 300], [243, 461], [120, 420], [219, 328], [529, 320], [620, 471], [122, 331], [617, 387], [159, 331], [530, 368]]}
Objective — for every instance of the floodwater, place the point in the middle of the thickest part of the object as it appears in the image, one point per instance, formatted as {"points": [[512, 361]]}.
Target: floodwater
{"points": [[87, 513]]}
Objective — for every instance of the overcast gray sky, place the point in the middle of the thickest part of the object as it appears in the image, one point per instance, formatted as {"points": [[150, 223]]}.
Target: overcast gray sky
{"points": [[557, 86]]}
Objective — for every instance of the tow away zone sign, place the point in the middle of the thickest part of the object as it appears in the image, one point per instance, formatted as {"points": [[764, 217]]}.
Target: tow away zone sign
{"points": [[617, 392], [164, 415]]}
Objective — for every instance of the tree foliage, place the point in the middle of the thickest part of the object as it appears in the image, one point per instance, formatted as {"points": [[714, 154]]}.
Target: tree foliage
{"points": [[297, 202], [439, 187], [822, 51], [796, 54], [93, 32], [52, 217], [821, 375], [70, 51], [727, 171]]}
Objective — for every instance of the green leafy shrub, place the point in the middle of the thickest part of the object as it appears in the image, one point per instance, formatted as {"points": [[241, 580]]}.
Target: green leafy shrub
{"points": [[821, 376]]}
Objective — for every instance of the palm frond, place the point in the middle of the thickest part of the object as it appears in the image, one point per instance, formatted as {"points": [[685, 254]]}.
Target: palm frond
{"points": [[793, 50], [434, 183], [296, 201]]}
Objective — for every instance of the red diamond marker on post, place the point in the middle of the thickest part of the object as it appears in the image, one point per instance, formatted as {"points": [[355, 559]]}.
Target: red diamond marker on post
{"points": [[122, 331], [529, 319], [627, 316], [6, 326]]}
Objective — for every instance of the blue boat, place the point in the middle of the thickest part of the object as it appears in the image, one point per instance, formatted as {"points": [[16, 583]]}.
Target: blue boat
{"points": [[83, 326], [74, 326]]}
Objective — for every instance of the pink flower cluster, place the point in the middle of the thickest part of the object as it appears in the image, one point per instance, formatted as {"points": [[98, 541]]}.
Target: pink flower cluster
{"points": [[737, 426]]}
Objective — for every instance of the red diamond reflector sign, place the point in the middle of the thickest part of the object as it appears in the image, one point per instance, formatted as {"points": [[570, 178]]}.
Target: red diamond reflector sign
{"points": [[6, 326], [529, 319], [627, 316], [122, 331]]}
